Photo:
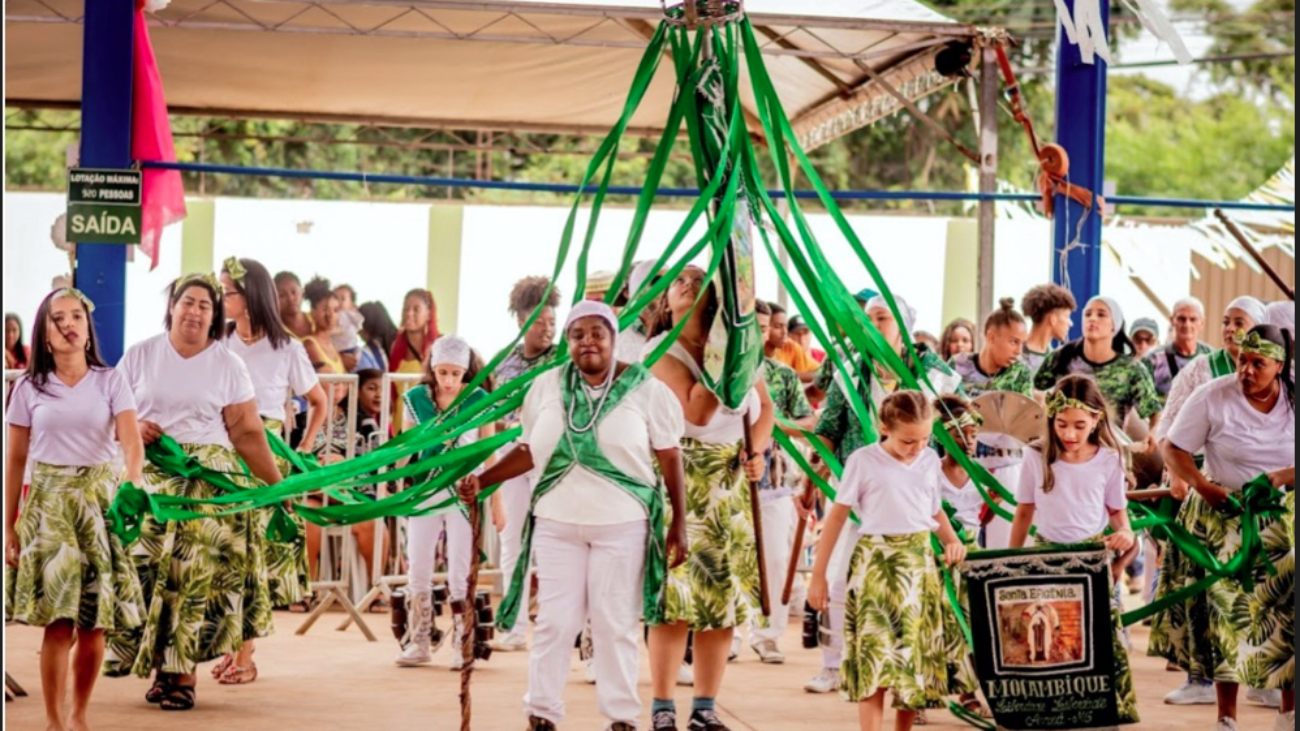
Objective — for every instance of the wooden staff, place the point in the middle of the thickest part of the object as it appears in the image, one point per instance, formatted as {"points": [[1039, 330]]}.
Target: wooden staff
{"points": [[1142, 496], [809, 491], [469, 635], [1240, 236], [756, 507]]}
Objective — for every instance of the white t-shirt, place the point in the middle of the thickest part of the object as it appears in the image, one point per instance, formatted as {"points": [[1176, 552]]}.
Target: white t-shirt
{"points": [[1239, 442], [649, 420], [889, 497], [186, 397], [1078, 508], [277, 373], [965, 499], [727, 426], [72, 427]]}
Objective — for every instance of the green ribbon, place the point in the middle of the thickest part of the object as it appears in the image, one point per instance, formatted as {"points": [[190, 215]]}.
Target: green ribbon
{"points": [[1258, 501], [582, 450]]}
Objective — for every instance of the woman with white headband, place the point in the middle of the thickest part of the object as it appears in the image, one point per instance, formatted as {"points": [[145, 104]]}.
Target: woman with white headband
{"points": [[1107, 355], [595, 433], [450, 368]]}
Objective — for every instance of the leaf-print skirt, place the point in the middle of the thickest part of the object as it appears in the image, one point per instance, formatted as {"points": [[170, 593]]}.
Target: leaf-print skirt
{"points": [[288, 571], [71, 567], [1229, 635], [204, 580], [718, 586], [894, 625]]}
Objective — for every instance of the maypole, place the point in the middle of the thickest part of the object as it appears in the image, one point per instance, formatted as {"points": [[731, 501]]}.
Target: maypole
{"points": [[735, 349]]}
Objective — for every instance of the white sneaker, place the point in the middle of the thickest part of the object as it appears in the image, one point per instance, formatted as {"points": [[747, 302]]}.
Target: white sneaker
{"points": [[513, 642], [1226, 724], [1285, 722], [591, 674], [414, 655], [735, 649], [827, 681], [1265, 698], [457, 643], [686, 676], [768, 652], [1192, 694]]}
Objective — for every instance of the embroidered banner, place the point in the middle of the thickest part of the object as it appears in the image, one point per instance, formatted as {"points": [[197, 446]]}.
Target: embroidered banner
{"points": [[1044, 637]]}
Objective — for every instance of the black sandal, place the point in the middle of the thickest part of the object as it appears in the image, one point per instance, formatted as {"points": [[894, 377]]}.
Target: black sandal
{"points": [[178, 698], [161, 685]]}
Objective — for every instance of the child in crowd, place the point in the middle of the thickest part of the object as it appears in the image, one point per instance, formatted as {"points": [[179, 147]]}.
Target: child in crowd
{"points": [[1075, 488], [894, 488]]}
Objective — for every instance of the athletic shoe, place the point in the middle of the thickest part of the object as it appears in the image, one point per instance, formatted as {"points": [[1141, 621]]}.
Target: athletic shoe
{"points": [[664, 721], [735, 649], [590, 677], [1226, 724], [414, 655], [768, 652], [706, 721], [1265, 698], [513, 642], [1285, 722], [1193, 693], [827, 681], [686, 676]]}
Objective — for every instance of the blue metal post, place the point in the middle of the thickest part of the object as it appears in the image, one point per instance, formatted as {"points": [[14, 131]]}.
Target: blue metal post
{"points": [[1081, 130], [108, 62]]}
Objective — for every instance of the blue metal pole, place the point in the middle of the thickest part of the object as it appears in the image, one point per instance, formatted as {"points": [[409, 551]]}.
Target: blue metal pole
{"points": [[1081, 130], [106, 82]]}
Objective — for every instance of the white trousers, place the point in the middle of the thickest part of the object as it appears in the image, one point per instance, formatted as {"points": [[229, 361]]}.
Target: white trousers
{"points": [[780, 521], [516, 496], [595, 572], [422, 535], [838, 579]]}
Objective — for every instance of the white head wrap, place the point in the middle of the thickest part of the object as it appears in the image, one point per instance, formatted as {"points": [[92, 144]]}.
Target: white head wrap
{"points": [[641, 273], [592, 308], [450, 350], [1116, 312], [1281, 315], [1257, 310], [909, 315]]}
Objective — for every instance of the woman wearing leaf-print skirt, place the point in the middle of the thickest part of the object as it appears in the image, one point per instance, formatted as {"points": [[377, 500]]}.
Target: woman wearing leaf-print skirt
{"points": [[712, 593], [70, 574], [193, 391]]}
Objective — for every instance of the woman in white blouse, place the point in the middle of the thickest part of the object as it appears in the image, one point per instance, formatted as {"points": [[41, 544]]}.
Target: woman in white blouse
{"points": [[1245, 426], [595, 432], [197, 394]]}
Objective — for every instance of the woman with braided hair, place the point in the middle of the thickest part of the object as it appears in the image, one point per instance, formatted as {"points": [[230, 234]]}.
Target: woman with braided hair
{"points": [[1245, 426]]}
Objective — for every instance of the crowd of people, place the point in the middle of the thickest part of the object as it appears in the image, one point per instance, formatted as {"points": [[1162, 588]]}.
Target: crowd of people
{"points": [[628, 492]]}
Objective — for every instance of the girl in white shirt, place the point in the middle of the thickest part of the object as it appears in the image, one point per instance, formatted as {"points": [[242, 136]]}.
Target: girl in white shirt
{"points": [[894, 489], [450, 369], [1077, 487], [73, 577]]}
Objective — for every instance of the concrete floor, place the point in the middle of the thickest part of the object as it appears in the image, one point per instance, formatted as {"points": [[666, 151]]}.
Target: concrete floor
{"points": [[336, 681]]}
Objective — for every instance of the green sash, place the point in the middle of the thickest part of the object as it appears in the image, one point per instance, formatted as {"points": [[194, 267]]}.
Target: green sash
{"points": [[422, 406], [1221, 364], [582, 450]]}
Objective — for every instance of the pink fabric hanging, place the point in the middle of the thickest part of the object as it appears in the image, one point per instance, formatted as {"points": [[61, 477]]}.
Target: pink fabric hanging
{"points": [[151, 140]]}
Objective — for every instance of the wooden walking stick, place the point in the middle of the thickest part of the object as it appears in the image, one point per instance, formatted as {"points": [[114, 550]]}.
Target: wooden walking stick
{"points": [[756, 506], [1240, 236], [809, 491], [469, 634]]}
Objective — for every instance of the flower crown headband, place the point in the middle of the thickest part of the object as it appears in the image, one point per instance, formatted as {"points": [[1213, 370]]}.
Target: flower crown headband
{"points": [[76, 294], [209, 279], [235, 269], [965, 421], [1058, 403]]}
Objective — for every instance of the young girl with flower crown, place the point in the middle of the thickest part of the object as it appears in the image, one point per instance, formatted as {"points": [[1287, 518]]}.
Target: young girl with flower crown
{"points": [[1076, 488]]}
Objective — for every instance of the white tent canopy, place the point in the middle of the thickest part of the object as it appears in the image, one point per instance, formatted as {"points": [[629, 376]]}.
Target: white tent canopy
{"points": [[517, 65]]}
